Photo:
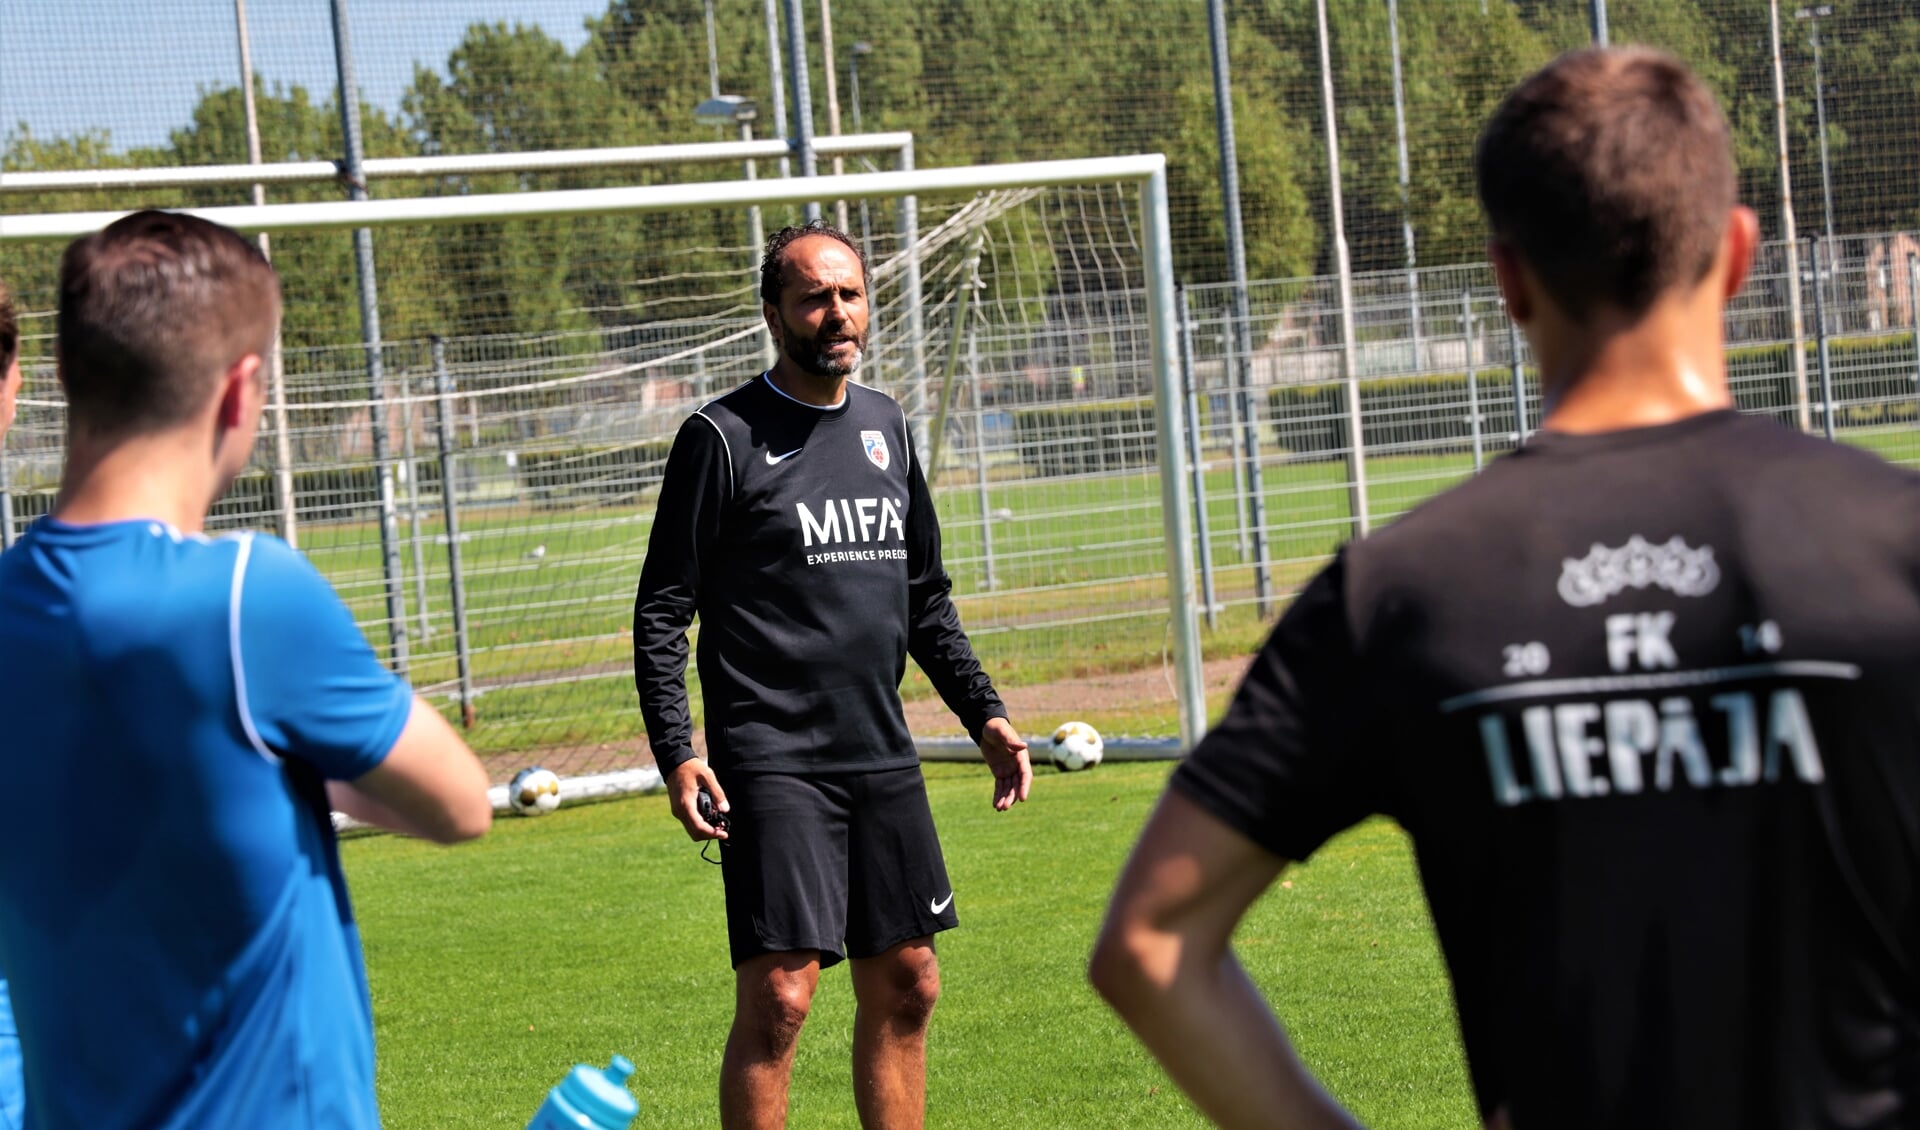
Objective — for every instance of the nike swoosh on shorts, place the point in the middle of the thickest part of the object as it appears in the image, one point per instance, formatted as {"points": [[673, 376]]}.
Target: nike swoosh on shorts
{"points": [[772, 458], [940, 905]]}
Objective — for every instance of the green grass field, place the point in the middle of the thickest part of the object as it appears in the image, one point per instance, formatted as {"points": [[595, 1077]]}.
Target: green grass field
{"points": [[497, 965]]}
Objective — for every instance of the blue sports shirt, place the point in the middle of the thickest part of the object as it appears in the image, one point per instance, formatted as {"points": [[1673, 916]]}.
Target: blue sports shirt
{"points": [[174, 921]]}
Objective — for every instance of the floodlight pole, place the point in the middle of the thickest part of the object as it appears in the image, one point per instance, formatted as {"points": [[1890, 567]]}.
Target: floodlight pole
{"points": [[713, 56], [1406, 179], [859, 48], [802, 135], [1241, 373], [1787, 235], [833, 100], [1349, 364], [276, 367], [370, 336], [757, 236], [1815, 15], [775, 80]]}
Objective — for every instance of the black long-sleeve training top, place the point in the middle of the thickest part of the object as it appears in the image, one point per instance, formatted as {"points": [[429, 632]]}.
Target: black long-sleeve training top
{"points": [[806, 540]]}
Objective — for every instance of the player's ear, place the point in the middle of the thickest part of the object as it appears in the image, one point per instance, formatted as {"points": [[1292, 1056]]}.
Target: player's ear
{"points": [[241, 395], [1513, 280], [771, 314], [1737, 246]]}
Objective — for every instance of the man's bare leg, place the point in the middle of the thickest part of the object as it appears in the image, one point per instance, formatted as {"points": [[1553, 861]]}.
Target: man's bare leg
{"points": [[895, 993], [772, 993]]}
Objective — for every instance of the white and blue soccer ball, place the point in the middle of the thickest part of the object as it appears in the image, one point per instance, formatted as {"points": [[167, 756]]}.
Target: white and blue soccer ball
{"points": [[534, 791], [1076, 746]]}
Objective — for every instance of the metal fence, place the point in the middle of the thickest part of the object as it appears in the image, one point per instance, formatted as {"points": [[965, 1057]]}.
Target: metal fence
{"points": [[569, 351], [524, 466], [1821, 106]]}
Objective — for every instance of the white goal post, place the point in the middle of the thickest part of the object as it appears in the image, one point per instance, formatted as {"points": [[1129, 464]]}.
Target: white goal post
{"points": [[1146, 174]]}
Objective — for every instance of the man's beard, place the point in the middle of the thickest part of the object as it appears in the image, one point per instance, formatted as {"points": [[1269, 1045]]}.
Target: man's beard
{"points": [[810, 353]]}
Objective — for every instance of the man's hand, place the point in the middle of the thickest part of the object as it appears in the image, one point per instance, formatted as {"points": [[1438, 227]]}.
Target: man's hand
{"points": [[1006, 755], [683, 785]]}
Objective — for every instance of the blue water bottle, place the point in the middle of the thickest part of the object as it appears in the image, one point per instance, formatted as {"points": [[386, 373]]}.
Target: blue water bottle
{"points": [[589, 1099]]}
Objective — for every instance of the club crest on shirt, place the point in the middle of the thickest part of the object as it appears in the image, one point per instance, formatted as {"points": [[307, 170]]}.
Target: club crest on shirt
{"points": [[1607, 571], [876, 445]]}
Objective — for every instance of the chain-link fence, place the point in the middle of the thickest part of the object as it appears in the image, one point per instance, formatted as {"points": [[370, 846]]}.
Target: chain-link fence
{"points": [[572, 349], [980, 81]]}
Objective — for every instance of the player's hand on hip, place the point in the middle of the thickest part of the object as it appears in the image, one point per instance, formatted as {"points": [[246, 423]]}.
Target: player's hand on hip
{"points": [[1006, 755], [683, 789]]}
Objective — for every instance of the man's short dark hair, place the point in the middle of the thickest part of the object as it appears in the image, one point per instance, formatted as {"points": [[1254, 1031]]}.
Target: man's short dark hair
{"points": [[1610, 172], [773, 265], [152, 309], [9, 330]]}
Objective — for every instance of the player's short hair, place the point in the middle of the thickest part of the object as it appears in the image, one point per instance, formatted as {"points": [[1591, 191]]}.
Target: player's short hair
{"points": [[152, 309], [1611, 173], [9, 330], [773, 264]]}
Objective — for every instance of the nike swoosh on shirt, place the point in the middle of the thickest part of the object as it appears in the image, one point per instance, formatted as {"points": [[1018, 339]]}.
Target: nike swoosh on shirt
{"points": [[939, 905], [772, 458]]}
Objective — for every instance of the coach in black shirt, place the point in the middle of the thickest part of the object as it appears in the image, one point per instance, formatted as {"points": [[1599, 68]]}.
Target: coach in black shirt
{"points": [[795, 519], [1645, 696]]}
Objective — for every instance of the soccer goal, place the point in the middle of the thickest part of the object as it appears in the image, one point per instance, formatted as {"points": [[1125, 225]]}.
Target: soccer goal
{"points": [[540, 348]]}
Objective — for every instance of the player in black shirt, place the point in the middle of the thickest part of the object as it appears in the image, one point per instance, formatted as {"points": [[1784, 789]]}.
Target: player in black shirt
{"points": [[1645, 696], [794, 518]]}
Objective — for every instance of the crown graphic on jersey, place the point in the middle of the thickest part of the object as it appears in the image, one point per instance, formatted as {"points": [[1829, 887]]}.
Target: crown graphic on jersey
{"points": [[1607, 571]]}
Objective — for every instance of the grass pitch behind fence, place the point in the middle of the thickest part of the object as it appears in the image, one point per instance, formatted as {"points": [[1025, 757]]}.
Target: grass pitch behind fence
{"points": [[497, 965]]}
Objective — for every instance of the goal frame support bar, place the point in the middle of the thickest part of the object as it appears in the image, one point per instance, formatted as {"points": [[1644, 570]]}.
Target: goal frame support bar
{"points": [[1148, 172], [478, 164]]}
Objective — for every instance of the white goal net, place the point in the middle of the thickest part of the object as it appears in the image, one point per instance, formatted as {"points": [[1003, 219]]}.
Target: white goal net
{"points": [[538, 352]]}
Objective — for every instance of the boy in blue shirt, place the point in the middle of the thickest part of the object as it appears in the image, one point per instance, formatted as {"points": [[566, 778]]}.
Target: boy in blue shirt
{"points": [[13, 1099], [184, 711]]}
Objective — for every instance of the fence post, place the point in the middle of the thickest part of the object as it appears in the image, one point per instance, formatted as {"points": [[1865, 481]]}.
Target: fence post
{"points": [[980, 456], [1242, 375], [1357, 501], [413, 505], [449, 503], [1913, 316], [1519, 382], [1787, 235], [1473, 378], [800, 137], [6, 498], [1820, 336], [1198, 457], [1236, 440], [1240, 330], [355, 176]]}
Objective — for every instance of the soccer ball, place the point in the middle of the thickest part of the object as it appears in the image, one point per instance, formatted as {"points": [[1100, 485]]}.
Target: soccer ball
{"points": [[534, 792], [1076, 746]]}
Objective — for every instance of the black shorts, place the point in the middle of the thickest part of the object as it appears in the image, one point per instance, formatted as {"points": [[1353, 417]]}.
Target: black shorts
{"points": [[844, 863]]}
